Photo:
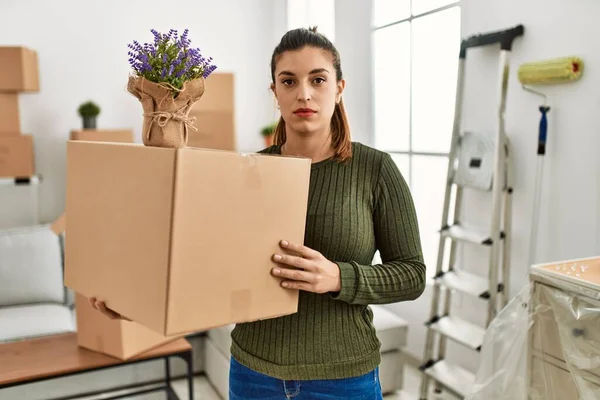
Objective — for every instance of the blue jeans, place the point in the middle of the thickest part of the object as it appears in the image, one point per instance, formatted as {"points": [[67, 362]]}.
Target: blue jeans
{"points": [[246, 384]]}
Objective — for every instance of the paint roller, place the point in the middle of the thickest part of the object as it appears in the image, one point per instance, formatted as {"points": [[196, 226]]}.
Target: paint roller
{"points": [[548, 72]]}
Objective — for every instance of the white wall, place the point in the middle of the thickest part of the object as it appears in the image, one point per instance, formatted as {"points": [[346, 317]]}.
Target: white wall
{"points": [[570, 211], [83, 55]]}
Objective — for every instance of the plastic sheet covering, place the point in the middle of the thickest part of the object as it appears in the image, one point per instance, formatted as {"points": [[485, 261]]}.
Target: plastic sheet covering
{"points": [[503, 366], [546, 343]]}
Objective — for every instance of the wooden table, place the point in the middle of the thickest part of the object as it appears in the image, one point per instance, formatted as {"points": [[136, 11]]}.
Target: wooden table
{"points": [[58, 356]]}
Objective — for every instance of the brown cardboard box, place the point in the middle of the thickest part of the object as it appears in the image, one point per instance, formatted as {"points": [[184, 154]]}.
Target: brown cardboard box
{"points": [[16, 156], [117, 338], [180, 240], [20, 71], [215, 115], [10, 117], [219, 94], [103, 135], [216, 130]]}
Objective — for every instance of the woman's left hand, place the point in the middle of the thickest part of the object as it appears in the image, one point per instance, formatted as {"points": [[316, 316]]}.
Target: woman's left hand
{"points": [[310, 270]]}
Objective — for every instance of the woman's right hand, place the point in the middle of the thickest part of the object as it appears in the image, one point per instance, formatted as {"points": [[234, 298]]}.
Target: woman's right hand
{"points": [[101, 306]]}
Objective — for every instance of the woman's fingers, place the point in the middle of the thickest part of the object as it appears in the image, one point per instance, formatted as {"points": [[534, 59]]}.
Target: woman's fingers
{"points": [[295, 275], [299, 249], [293, 261]]}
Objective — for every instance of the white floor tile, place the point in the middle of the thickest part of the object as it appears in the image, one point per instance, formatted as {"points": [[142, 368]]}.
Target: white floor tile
{"points": [[202, 389]]}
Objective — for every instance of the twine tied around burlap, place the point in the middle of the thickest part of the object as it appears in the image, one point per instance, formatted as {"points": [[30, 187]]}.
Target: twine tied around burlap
{"points": [[166, 120]]}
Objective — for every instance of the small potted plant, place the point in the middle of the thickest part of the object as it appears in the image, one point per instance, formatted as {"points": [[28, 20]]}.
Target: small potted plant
{"points": [[89, 111], [268, 132], [168, 78]]}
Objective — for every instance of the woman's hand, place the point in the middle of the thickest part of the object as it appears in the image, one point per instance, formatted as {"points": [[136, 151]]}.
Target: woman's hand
{"points": [[309, 270], [101, 306]]}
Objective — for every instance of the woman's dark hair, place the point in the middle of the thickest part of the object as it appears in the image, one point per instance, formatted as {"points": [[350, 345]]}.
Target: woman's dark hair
{"points": [[297, 39]]}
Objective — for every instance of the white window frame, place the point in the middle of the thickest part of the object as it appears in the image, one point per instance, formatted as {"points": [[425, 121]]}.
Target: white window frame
{"points": [[410, 153]]}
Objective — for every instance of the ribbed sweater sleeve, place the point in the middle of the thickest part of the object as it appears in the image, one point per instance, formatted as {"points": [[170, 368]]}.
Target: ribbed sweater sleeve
{"points": [[401, 275]]}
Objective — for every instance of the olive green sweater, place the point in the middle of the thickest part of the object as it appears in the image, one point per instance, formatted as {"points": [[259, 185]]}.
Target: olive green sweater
{"points": [[354, 209]]}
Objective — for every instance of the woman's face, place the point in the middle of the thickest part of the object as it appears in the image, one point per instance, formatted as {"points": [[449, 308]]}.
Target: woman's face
{"points": [[306, 89]]}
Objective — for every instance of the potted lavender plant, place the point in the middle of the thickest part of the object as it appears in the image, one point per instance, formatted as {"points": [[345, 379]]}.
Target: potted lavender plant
{"points": [[168, 78]]}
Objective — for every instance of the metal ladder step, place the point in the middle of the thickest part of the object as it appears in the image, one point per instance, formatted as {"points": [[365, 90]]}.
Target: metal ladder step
{"points": [[470, 235], [459, 330], [452, 377], [464, 282]]}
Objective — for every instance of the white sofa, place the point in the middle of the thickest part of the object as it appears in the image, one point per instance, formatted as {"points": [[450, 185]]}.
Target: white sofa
{"points": [[34, 303], [33, 300], [391, 330]]}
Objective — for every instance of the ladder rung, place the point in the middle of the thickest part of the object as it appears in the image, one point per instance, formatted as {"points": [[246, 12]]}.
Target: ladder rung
{"points": [[464, 282], [463, 332], [452, 377], [458, 232]]}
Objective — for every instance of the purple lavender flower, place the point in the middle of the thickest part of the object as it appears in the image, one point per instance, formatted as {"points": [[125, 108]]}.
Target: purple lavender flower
{"points": [[169, 58]]}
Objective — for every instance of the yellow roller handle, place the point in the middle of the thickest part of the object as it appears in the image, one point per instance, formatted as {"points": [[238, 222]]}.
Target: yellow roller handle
{"points": [[558, 70]]}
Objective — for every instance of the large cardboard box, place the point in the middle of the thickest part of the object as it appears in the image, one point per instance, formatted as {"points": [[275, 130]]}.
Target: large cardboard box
{"points": [[10, 117], [116, 338], [19, 70], [181, 240], [103, 135], [16, 156], [215, 115]]}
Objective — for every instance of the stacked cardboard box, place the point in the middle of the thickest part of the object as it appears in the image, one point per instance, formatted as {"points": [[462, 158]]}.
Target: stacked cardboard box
{"points": [[215, 115], [20, 74], [103, 135]]}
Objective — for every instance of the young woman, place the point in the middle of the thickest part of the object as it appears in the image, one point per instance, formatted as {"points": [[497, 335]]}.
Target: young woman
{"points": [[358, 203]]}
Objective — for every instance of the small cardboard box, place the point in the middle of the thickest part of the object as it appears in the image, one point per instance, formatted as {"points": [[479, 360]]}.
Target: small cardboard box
{"points": [[10, 117], [181, 240], [103, 135], [215, 115], [16, 156], [116, 338], [20, 70]]}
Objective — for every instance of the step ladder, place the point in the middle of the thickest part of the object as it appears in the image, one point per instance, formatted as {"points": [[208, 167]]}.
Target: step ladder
{"points": [[477, 162]]}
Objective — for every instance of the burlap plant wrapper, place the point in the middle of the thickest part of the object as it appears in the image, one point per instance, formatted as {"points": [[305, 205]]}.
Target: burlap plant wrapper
{"points": [[166, 120]]}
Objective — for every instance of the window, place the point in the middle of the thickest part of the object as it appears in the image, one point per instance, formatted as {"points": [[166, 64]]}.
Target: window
{"points": [[305, 13], [415, 64]]}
